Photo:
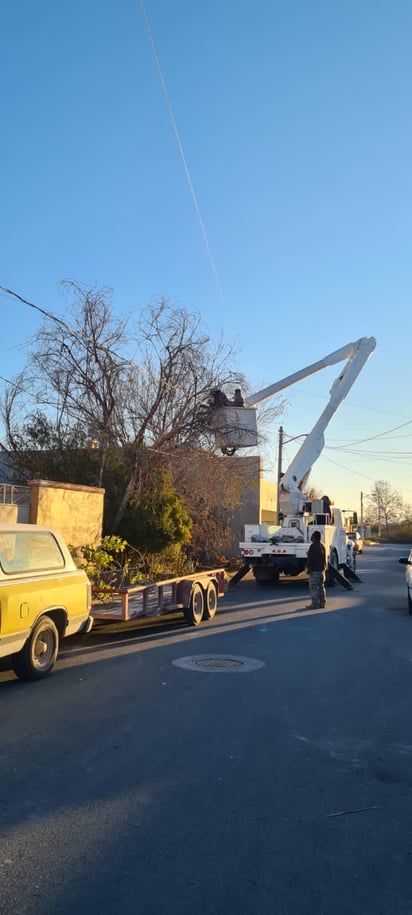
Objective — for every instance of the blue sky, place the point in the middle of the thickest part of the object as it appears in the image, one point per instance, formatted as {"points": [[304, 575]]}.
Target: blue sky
{"points": [[295, 121]]}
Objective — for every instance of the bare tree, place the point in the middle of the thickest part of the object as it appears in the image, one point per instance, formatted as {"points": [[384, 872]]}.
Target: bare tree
{"points": [[76, 376], [88, 390], [211, 488], [385, 506]]}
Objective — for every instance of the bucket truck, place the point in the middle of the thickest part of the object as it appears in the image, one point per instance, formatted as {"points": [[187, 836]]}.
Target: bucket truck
{"points": [[272, 550]]}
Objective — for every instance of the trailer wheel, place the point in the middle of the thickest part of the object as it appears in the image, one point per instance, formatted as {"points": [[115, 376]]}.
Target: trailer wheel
{"points": [[210, 596], [37, 657], [194, 612]]}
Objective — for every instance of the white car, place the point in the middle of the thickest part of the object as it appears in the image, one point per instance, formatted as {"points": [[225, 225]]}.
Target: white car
{"points": [[357, 541], [408, 563]]}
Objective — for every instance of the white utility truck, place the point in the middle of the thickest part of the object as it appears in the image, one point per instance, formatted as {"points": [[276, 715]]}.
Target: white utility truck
{"points": [[272, 550]]}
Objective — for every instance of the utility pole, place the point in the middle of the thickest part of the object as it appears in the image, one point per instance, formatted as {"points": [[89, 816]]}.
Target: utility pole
{"points": [[361, 515], [280, 449]]}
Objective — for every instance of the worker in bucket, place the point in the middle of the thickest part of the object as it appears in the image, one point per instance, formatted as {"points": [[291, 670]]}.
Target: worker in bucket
{"points": [[220, 399], [238, 400], [316, 566]]}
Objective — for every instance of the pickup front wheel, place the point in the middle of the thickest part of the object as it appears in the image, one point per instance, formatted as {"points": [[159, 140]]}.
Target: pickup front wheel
{"points": [[37, 657]]}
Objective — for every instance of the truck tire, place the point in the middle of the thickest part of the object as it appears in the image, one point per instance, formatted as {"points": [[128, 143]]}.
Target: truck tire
{"points": [[265, 576], [210, 601], [194, 611], [37, 657]]}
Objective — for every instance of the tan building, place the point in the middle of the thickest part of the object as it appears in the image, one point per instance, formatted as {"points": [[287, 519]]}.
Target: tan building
{"points": [[259, 500]]}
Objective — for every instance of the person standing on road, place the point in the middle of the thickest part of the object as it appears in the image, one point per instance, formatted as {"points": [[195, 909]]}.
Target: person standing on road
{"points": [[316, 565]]}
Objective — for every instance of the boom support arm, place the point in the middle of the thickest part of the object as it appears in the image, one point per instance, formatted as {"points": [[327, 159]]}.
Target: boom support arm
{"points": [[298, 471]]}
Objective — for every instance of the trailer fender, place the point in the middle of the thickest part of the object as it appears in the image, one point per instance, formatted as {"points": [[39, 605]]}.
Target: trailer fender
{"points": [[183, 591]]}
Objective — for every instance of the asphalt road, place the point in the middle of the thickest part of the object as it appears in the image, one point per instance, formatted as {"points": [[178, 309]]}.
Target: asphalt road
{"points": [[131, 785]]}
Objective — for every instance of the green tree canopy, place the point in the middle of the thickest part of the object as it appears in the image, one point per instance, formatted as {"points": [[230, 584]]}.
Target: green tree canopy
{"points": [[156, 519]]}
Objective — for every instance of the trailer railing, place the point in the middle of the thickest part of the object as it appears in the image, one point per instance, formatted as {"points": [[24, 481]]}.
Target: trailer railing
{"points": [[150, 600]]}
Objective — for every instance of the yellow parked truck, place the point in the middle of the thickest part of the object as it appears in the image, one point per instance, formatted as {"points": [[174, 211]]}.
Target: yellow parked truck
{"points": [[43, 598]]}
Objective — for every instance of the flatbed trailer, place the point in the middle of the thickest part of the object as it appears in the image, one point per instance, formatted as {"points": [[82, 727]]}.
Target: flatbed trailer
{"points": [[196, 595]]}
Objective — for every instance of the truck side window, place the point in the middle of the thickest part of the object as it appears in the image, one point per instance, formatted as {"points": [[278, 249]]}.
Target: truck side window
{"points": [[31, 552]]}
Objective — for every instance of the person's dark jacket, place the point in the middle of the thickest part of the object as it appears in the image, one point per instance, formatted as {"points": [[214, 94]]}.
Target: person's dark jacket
{"points": [[316, 560]]}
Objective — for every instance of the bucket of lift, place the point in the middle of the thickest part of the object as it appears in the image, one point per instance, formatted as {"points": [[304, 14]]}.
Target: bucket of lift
{"points": [[234, 427]]}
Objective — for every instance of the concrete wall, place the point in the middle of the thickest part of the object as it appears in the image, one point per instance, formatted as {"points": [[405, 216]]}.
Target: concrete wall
{"points": [[76, 511], [8, 513]]}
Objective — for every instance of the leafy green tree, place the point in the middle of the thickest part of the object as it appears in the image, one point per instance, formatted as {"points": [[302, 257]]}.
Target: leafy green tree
{"points": [[156, 519]]}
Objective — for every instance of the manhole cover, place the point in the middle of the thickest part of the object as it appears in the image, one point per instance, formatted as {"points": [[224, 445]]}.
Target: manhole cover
{"points": [[217, 663]]}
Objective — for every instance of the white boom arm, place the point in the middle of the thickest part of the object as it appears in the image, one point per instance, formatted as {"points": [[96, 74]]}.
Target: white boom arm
{"points": [[365, 345], [298, 471], [235, 427]]}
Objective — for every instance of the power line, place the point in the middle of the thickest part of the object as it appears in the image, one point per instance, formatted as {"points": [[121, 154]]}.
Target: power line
{"points": [[349, 469], [358, 473], [43, 403], [360, 441], [47, 314], [72, 330], [181, 150], [346, 444], [360, 406], [398, 458]]}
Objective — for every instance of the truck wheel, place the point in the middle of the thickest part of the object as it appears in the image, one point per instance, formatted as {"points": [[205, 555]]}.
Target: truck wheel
{"points": [[37, 657], [265, 576], [194, 612], [210, 599]]}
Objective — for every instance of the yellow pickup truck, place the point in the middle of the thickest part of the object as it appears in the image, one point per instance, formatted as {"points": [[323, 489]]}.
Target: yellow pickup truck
{"points": [[43, 598]]}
